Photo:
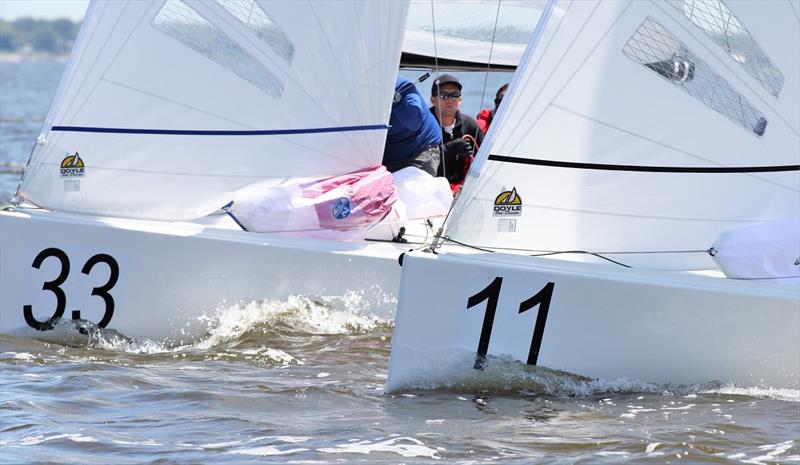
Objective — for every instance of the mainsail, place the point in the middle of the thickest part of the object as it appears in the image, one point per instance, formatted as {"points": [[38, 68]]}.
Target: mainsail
{"points": [[644, 128], [173, 105]]}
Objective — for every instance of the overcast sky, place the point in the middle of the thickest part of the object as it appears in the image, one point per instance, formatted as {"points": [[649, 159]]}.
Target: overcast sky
{"points": [[43, 9]]}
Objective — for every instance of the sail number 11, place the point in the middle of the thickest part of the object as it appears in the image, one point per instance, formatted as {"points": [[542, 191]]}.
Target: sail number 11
{"points": [[491, 294]]}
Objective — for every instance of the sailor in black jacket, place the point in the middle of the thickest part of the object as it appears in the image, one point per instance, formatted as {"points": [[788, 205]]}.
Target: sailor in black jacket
{"points": [[460, 133]]}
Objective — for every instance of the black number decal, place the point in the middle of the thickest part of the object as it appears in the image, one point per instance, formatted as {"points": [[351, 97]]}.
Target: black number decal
{"points": [[102, 291], [542, 299], [61, 298], [52, 286], [490, 293]]}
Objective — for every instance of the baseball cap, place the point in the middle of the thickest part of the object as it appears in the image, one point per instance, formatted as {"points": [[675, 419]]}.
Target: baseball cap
{"points": [[444, 79]]}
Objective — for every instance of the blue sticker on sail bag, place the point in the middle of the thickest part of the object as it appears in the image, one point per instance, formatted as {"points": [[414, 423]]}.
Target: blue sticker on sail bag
{"points": [[341, 208]]}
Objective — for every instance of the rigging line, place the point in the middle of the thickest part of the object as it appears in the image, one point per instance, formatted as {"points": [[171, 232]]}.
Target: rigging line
{"points": [[517, 85], [436, 82], [437, 237], [491, 49], [581, 252], [629, 252], [643, 168], [470, 246], [545, 254]]}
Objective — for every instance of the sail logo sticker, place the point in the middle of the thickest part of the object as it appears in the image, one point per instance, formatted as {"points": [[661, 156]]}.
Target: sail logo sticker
{"points": [[341, 208], [72, 166], [508, 203]]}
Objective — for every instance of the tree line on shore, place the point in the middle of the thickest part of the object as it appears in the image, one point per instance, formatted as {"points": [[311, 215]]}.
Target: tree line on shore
{"points": [[29, 35]]}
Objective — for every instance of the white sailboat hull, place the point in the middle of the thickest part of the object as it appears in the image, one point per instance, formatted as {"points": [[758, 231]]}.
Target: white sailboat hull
{"points": [[170, 275], [601, 321]]}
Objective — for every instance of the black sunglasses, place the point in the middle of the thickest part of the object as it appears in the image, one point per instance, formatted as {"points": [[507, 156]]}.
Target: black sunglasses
{"points": [[449, 95]]}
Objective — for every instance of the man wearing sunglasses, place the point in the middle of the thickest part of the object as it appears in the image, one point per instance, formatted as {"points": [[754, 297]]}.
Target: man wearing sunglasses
{"points": [[460, 133]]}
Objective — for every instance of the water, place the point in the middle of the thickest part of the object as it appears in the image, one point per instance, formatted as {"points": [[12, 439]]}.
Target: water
{"points": [[301, 381]]}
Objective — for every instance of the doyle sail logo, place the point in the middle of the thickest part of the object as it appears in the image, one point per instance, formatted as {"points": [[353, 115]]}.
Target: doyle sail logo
{"points": [[508, 203], [72, 166], [341, 208]]}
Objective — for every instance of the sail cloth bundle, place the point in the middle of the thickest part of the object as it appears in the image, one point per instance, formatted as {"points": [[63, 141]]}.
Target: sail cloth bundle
{"points": [[760, 251], [341, 207], [367, 203]]}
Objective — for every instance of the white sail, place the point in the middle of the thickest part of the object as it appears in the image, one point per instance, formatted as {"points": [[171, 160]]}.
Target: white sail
{"points": [[636, 126], [172, 105]]}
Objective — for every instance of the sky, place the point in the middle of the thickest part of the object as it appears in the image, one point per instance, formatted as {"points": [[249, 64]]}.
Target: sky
{"points": [[43, 9]]}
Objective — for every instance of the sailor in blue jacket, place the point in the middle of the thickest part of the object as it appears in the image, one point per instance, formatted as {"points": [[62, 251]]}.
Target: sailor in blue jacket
{"points": [[414, 138]]}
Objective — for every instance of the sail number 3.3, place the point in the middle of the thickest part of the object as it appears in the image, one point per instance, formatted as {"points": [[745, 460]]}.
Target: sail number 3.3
{"points": [[54, 286]]}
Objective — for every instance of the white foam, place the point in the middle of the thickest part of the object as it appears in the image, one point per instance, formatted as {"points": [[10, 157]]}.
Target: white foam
{"points": [[454, 370], [147, 442], [290, 439], [772, 453], [39, 439], [266, 450], [789, 395], [404, 446], [327, 315]]}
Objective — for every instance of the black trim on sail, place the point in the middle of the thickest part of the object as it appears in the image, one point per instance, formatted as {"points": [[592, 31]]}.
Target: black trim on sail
{"points": [[413, 60], [641, 168]]}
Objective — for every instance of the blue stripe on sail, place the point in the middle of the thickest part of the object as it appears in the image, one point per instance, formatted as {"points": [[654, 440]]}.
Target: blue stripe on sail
{"points": [[192, 132]]}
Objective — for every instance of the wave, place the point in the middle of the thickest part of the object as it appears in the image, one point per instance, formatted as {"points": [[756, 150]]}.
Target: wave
{"points": [[255, 332], [505, 376]]}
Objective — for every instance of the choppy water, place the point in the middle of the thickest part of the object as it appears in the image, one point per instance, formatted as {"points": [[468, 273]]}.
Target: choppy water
{"points": [[301, 381]]}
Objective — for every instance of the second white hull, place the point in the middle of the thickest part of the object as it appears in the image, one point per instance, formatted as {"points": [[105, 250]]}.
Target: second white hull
{"points": [[599, 321]]}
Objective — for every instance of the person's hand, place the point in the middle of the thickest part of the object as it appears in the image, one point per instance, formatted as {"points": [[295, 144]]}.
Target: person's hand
{"points": [[470, 146], [456, 149]]}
